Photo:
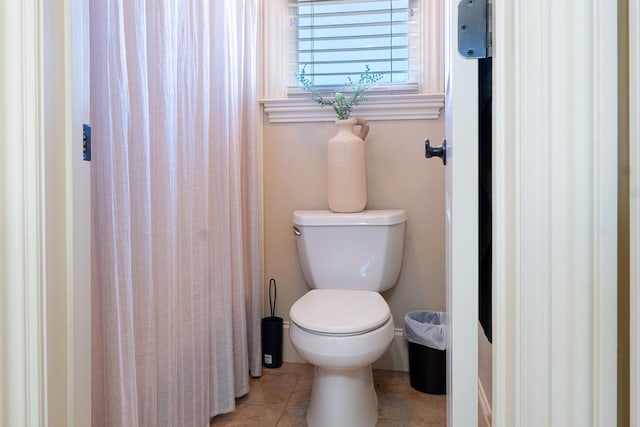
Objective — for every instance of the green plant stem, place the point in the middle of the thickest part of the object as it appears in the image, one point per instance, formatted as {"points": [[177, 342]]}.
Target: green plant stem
{"points": [[341, 103]]}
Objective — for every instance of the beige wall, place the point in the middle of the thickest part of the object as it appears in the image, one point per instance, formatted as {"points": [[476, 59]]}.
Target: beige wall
{"points": [[398, 177]]}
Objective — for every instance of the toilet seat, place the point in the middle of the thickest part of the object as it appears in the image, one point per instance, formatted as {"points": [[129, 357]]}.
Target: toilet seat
{"points": [[340, 312]]}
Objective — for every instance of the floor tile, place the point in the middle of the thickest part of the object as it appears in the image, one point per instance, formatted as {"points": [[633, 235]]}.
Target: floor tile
{"points": [[281, 396], [293, 417], [398, 400], [273, 388], [405, 423], [301, 393], [250, 415], [427, 408]]}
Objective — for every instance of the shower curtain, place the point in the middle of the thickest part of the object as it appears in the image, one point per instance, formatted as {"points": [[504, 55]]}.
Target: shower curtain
{"points": [[176, 268]]}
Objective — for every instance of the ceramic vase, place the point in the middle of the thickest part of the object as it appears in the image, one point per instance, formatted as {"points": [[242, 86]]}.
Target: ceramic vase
{"points": [[346, 169]]}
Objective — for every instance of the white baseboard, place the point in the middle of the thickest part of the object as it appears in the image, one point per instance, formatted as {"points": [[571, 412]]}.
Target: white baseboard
{"points": [[396, 358], [484, 407]]}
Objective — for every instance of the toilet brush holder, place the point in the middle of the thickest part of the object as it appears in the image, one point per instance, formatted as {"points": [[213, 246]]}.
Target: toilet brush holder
{"points": [[272, 342], [272, 333]]}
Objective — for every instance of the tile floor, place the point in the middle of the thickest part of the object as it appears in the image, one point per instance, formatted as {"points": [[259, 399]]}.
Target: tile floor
{"points": [[280, 397]]}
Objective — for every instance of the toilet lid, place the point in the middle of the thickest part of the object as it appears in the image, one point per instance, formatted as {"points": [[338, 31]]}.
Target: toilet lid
{"points": [[339, 311]]}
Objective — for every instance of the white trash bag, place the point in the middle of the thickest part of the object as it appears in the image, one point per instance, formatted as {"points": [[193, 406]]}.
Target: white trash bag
{"points": [[428, 328]]}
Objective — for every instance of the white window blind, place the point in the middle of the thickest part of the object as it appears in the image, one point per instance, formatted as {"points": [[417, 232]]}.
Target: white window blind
{"points": [[336, 39]]}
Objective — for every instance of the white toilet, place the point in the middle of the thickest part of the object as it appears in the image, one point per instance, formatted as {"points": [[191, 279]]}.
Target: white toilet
{"points": [[344, 325]]}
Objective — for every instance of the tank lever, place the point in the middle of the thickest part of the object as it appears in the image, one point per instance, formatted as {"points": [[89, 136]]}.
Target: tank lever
{"points": [[296, 231]]}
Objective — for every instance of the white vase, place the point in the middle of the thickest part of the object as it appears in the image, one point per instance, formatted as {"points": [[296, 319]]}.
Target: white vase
{"points": [[346, 170]]}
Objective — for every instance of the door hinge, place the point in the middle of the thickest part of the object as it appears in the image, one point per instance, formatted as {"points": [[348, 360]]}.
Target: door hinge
{"points": [[86, 142], [475, 38]]}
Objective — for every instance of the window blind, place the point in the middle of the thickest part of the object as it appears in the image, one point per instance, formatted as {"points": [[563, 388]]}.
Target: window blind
{"points": [[336, 39]]}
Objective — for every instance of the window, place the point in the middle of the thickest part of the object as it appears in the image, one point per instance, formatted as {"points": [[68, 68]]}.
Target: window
{"points": [[407, 45], [336, 39]]}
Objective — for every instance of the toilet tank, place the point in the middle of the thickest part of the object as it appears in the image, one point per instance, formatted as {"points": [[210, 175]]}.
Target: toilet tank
{"points": [[350, 250]]}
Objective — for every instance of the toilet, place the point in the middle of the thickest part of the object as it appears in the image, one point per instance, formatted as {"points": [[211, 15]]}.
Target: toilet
{"points": [[343, 324]]}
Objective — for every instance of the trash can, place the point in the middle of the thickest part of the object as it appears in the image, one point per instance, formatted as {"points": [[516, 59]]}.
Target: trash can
{"points": [[426, 332]]}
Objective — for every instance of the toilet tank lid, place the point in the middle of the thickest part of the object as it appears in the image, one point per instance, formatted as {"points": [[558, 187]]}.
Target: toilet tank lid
{"points": [[328, 218]]}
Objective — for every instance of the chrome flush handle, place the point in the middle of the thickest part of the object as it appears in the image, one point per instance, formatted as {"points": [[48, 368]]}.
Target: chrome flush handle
{"points": [[296, 231]]}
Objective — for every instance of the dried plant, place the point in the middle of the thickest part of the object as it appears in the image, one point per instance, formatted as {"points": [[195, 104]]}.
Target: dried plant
{"points": [[340, 101]]}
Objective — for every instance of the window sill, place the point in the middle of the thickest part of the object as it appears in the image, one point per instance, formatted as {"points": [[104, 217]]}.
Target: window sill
{"points": [[379, 107]]}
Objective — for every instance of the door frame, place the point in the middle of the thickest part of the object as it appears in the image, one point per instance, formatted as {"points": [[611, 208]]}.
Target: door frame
{"points": [[44, 215], [22, 258], [555, 213]]}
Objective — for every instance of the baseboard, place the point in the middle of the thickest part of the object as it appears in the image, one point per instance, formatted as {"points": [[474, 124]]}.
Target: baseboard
{"points": [[396, 357], [484, 407]]}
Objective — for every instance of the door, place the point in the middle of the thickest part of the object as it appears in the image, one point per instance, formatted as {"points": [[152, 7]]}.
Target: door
{"points": [[461, 133], [80, 174], [461, 154], [67, 211]]}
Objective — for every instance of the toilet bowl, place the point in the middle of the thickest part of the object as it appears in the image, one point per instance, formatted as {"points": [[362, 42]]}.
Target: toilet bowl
{"points": [[343, 324], [341, 332]]}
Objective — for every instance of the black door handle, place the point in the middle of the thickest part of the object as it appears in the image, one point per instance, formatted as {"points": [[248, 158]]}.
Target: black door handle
{"points": [[440, 151]]}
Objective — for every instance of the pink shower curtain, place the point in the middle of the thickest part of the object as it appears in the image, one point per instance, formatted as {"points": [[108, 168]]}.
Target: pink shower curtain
{"points": [[176, 265]]}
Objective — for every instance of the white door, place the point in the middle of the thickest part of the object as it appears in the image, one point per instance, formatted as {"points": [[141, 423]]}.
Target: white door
{"points": [[68, 216], [461, 112], [66, 108], [80, 311]]}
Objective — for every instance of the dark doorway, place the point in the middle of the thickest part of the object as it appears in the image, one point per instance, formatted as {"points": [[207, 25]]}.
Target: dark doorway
{"points": [[484, 196]]}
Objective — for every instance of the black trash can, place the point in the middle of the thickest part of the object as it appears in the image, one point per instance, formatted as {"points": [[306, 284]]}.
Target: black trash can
{"points": [[426, 333]]}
